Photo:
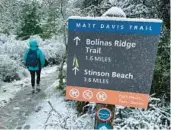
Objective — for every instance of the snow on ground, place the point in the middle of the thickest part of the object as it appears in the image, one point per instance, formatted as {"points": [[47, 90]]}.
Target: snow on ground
{"points": [[48, 70], [9, 90], [39, 120], [61, 115]]}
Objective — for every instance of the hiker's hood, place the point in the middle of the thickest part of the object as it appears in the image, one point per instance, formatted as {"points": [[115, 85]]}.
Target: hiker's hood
{"points": [[33, 44]]}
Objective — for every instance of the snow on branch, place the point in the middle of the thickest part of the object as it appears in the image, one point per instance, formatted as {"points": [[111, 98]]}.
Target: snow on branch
{"points": [[114, 12]]}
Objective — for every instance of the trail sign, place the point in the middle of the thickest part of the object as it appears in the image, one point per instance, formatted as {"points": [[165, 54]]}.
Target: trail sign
{"points": [[116, 58]]}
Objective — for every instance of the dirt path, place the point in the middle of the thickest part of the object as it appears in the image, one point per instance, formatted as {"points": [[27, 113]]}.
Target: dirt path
{"points": [[14, 114]]}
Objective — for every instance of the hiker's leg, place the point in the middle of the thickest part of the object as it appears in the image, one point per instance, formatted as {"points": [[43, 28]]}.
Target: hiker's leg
{"points": [[38, 72], [32, 73]]}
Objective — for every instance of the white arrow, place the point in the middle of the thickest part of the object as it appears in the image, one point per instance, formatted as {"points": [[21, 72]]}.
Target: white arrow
{"points": [[75, 69], [76, 39]]}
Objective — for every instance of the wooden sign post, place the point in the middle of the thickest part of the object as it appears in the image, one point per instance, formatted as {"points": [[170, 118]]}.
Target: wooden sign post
{"points": [[101, 123]]}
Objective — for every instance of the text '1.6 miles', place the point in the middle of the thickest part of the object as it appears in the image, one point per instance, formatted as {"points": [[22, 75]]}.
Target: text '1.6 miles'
{"points": [[99, 59]]}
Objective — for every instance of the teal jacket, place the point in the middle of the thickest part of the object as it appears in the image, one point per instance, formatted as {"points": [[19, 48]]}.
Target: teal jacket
{"points": [[34, 46]]}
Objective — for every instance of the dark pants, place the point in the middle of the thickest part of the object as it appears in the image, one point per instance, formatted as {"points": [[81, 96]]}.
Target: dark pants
{"points": [[32, 73]]}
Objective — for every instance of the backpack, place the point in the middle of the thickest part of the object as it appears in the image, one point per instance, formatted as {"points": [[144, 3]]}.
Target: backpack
{"points": [[32, 58]]}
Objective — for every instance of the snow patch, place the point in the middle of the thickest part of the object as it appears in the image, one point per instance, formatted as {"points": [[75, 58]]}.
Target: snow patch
{"points": [[61, 116], [48, 70], [116, 19], [39, 120], [114, 12], [57, 113], [52, 89], [9, 90]]}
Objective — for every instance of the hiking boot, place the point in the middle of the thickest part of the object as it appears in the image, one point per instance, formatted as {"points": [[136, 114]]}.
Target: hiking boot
{"points": [[38, 88], [33, 91]]}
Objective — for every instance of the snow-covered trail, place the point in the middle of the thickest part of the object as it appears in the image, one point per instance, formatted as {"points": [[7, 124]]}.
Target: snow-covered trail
{"points": [[15, 113]]}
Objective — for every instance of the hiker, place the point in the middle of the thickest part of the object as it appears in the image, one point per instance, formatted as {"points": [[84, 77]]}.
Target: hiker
{"points": [[34, 60]]}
